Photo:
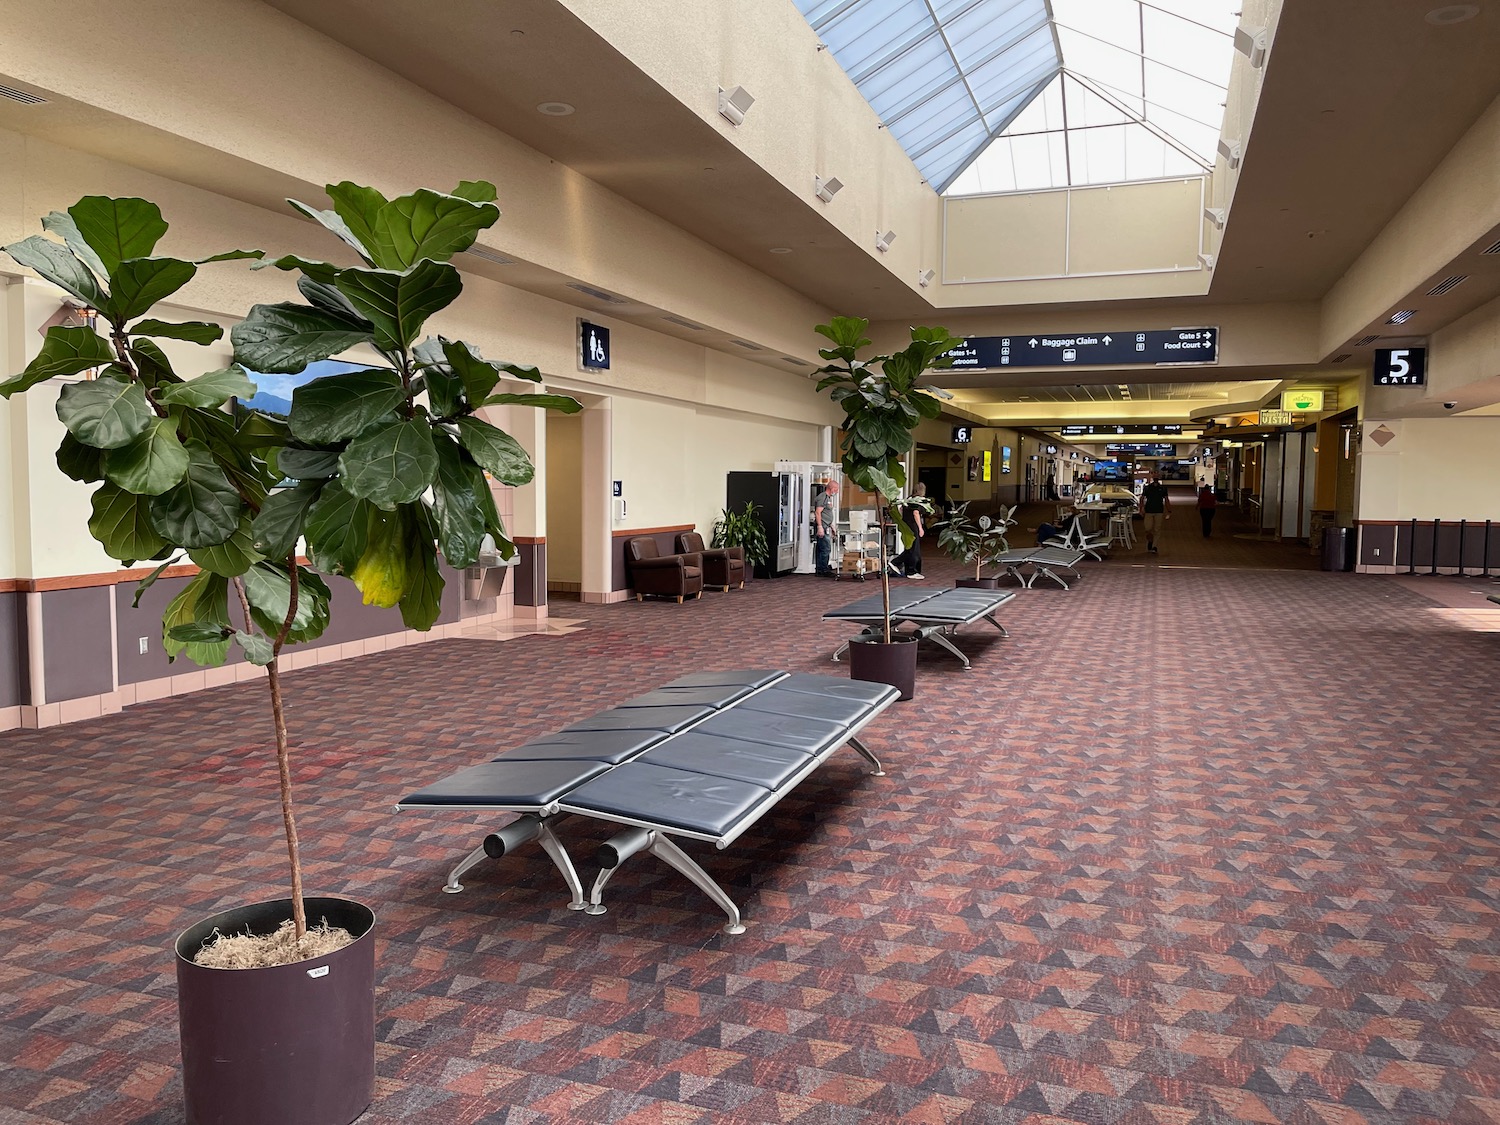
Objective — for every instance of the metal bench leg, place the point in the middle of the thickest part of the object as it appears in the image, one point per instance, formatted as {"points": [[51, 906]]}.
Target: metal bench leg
{"points": [[838, 652], [453, 886], [869, 757], [1052, 574], [611, 857], [673, 856], [947, 644], [991, 619], [561, 860]]}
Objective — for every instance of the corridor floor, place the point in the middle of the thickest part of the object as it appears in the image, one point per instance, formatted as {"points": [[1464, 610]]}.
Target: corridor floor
{"points": [[1197, 844]]}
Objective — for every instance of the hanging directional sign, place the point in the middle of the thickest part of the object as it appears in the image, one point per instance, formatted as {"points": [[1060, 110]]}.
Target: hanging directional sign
{"points": [[1089, 349]]}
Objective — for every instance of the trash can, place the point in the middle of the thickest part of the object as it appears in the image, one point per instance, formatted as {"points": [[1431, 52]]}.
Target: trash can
{"points": [[1338, 548]]}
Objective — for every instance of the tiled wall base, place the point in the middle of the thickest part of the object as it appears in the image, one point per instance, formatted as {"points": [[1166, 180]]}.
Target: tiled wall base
{"points": [[92, 707], [606, 598], [528, 612]]}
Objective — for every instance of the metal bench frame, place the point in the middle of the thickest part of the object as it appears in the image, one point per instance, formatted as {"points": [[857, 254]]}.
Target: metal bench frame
{"points": [[921, 613]]}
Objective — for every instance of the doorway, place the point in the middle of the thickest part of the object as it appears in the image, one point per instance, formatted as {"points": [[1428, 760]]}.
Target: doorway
{"points": [[564, 477]]}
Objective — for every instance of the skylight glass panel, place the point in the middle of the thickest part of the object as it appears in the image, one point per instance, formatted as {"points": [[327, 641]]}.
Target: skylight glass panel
{"points": [[944, 75]]}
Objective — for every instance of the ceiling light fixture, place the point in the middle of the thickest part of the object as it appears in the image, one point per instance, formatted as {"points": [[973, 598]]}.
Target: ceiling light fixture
{"points": [[554, 109], [924, 279], [1401, 316], [781, 249], [827, 189], [734, 103], [883, 241], [1450, 14]]}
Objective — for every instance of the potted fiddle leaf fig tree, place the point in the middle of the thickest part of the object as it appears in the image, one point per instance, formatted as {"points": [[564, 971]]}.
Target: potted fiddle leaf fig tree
{"points": [[744, 529], [377, 471], [882, 404]]}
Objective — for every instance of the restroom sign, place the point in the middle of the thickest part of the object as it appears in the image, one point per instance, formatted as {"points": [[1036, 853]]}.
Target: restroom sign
{"points": [[593, 346]]}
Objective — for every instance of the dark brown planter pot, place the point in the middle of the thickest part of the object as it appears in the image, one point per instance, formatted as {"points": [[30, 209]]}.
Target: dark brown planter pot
{"points": [[881, 663], [977, 583], [293, 1044]]}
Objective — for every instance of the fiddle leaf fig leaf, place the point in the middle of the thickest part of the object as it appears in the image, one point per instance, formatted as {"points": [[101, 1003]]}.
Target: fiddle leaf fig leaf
{"points": [[476, 191], [232, 557], [279, 524], [479, 375], [59, 265], [566, 404], [331, 220], [422, 603], [397, 304], [150, 580], [64, 226], [105, 413], [308, 464], [193, 331], [460, 518], [230, 256], [337, 529], [495, 450], [65, 351], [428, 225], [285, 338], [121, 522], [258, 650], [151, 464], [322, 272], [326, 296], [198, 631], [137, 284], [337, 407], [78, 461], [211, 390], [118, 229], [391, 465], [358, 207], [203, 509], [203, 601], [268, 589]]}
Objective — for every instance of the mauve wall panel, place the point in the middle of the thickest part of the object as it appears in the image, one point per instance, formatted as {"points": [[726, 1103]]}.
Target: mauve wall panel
{"points": [[76, 660], [12, 650], [530, 575]]}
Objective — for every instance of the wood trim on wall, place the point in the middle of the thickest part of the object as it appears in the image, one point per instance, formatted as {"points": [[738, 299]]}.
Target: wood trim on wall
{"points": [[652, 531], [109, 578], [10, 585], [528, 540]]}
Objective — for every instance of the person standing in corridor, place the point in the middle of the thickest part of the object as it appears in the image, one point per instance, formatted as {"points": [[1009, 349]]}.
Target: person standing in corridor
{"points": [[823, 520], [1208, 503], [1154, 508]]}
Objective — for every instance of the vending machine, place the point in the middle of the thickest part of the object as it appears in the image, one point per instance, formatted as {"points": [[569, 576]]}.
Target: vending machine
{"points": [[812, 479], [777, 500]]}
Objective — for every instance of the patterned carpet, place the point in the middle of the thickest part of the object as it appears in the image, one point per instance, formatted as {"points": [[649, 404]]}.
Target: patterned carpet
{"points": [[1194, 845]]}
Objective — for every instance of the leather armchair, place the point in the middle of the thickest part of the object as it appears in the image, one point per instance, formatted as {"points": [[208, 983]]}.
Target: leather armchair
{"points": [[671, 576], [722, 566]]}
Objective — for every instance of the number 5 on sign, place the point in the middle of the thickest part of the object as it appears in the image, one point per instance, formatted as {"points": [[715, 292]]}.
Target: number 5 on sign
{"points": [[1400, 367]]}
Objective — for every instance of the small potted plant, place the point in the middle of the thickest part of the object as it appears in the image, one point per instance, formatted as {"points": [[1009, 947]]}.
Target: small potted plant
{"points": [[745, 530], [882, 404], [375, 471], [976, 541]]}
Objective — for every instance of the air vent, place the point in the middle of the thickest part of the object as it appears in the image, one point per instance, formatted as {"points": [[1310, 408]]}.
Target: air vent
{"points": [[1366, 341], [491, 256], [1401, 316], [597, 294], [795, 362], [21, 96], [677, 320], [1493, 248], [1447, 284], [747, 345], [1344, 356]]}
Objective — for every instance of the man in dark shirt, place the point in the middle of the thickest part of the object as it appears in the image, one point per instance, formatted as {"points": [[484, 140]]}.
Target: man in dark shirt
{"points": [[1154, 507]]}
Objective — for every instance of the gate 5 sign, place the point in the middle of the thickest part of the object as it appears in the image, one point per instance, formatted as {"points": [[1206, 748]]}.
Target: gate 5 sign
{"points": [[1400, 367]]}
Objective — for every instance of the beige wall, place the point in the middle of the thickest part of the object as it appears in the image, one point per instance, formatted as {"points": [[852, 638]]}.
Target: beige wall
{"points": [[564, 475], [1433, 468]]}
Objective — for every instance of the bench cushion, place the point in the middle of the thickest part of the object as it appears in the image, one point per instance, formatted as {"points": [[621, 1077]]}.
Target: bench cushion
{"points": [[811, 736], [609, 746], [508, 784], [706, 695], [755, 762], [862, 690], [749, 678], [669, 719], [828, 708], [672, 798]]}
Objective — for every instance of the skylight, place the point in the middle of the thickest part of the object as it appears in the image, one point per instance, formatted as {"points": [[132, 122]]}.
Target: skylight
{"points": [[1006, 95]]}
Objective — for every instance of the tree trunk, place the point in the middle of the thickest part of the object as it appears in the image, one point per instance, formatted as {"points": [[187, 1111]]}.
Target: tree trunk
{"points": [[288, 818], [885, 573]]}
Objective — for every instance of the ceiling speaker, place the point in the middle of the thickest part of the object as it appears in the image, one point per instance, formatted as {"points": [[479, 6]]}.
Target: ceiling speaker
{"points": [[734, 103]]}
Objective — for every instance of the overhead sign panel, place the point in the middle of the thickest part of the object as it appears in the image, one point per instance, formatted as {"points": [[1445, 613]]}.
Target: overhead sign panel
{"points": [[1155, 348], [1400, 367], [1302, 402], [1127, 428]]}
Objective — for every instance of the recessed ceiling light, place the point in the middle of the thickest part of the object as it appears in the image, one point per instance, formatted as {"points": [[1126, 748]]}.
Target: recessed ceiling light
{"points": [[781, 249], [554, 109], [1451, 14]]}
